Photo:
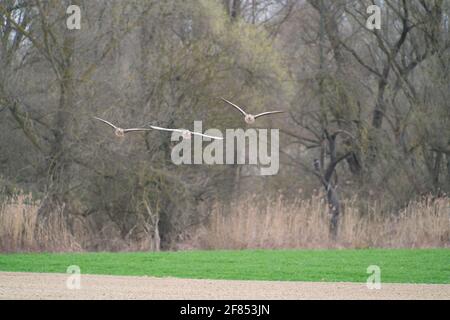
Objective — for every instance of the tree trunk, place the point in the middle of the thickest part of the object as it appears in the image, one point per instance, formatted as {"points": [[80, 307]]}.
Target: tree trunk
{"points": [[59, 158]]}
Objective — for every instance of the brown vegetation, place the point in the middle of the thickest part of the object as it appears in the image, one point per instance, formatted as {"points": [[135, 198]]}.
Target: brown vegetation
{"points": [[21, 230], [277, 224], [304, 224]]}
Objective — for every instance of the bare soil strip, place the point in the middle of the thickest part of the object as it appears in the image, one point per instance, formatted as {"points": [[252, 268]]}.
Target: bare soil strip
{"points": [[53, 286]]}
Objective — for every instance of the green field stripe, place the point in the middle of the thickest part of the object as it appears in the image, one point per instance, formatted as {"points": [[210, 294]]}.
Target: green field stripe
{"points": [[397, 265]]}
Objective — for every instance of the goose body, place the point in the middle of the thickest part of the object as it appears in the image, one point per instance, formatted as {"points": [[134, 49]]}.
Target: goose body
{"points": [[187, 134], [250, 118], [120, 132]]}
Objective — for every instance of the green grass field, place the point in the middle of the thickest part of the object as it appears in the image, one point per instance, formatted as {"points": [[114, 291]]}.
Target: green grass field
{"points": [[397, 266]]}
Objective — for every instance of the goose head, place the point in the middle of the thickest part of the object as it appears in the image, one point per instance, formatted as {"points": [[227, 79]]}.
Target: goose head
{"points": [[186, 134], [249, 118], [119, 132]]}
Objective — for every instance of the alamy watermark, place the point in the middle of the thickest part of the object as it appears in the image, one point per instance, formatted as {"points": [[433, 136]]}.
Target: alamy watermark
{"points": [[73, 22], [250, 146], [374, 280], [374, 20], [73, 281]]}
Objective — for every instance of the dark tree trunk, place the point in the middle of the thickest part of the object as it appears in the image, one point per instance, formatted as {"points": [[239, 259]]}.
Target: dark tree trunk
{"points": [[326, 180], [59, 157]]}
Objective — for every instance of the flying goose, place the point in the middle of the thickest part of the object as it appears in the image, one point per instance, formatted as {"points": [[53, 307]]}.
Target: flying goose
{"points": [[186, 133], [250, 118], [120, 132]]}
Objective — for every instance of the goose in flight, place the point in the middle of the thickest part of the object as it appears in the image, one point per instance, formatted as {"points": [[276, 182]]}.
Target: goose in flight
{"points": [[250, 118], [186, 133], [120, 132]]}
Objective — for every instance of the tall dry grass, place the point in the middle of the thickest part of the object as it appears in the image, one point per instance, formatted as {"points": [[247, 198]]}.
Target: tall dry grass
{"points": [[19, 230], [251, 224], [304, 224]]}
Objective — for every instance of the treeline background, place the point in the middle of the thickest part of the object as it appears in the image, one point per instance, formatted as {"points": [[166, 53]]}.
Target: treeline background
{"points": [[365, 141]]}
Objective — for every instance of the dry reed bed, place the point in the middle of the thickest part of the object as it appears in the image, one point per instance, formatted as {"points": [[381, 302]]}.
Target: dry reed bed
{"points": [[304, 224], [19, 230], [278, 224]]}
